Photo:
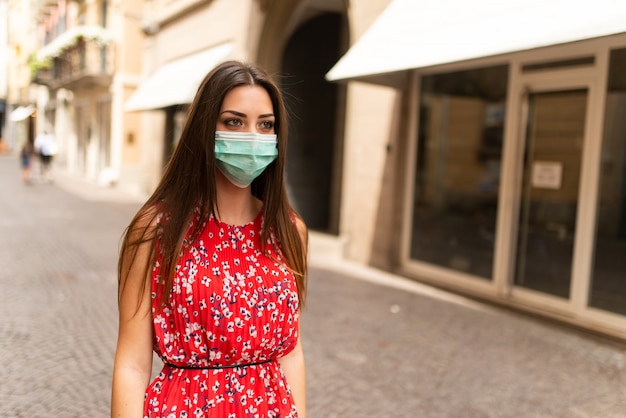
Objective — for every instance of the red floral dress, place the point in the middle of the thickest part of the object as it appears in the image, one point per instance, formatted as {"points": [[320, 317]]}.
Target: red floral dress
{"points": [[230, 305]]}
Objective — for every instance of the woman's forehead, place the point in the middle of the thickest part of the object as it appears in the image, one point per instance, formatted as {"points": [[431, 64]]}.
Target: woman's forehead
{"points": [[249, 100]]}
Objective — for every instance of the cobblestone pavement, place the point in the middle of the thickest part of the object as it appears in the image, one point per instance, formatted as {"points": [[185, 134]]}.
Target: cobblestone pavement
{"points": [[376, 345]]}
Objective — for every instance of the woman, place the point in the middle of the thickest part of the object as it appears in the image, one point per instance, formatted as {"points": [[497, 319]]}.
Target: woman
{"points": [[212, 268]]}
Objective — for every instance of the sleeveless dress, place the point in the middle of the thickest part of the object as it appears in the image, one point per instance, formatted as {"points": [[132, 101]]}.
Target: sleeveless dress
{"points": [[230, 305]]}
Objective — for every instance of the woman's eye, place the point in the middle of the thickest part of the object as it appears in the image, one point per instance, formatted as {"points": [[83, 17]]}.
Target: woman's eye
{"points": [[267, 124], [233, 122]]}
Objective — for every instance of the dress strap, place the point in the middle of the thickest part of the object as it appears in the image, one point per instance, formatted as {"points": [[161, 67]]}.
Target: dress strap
{"points": [[226, 366]]}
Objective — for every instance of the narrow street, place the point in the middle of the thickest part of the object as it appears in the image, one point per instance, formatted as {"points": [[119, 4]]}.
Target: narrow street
{"points": [[376, 345]]}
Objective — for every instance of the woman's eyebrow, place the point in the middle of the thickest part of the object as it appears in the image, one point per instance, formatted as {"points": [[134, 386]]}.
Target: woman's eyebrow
{"points": [[243, 115], [234, 112]]}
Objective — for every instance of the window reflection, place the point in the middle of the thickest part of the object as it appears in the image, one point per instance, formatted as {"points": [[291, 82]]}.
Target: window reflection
{"points": [[458, 169], [608, 289]]}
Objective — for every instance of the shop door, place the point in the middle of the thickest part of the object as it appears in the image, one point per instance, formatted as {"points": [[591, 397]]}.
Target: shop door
{"points": [[553, 141]]}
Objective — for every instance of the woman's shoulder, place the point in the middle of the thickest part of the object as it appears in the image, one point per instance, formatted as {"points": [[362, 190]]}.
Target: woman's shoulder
{"points": [[149, 216]]}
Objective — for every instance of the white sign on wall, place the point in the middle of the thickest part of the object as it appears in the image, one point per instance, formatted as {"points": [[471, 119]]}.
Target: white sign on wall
{"points": [[547, 175]]}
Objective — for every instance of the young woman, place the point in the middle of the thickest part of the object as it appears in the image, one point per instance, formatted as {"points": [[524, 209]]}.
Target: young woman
{"points": [[212, 269]]}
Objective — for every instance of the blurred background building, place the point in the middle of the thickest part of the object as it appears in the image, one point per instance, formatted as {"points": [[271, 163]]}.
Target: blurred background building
{"points": [[477, 146]]}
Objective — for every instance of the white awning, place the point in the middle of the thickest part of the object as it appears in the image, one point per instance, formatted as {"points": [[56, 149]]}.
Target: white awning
{"points": [[177, 82], [416, 33], [21, 113]]}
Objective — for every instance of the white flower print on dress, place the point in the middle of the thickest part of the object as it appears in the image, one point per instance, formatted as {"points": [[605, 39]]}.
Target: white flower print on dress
{"points": [[230, 305]]}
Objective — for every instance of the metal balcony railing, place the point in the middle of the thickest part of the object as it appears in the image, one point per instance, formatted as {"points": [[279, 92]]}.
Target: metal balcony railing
{"points": [[86, 63]]}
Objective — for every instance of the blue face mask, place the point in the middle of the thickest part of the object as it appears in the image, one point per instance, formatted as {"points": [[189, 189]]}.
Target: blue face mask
{"points": [[242, 156]]}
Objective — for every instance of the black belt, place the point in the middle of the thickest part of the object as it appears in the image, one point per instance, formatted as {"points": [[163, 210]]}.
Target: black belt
{"points": [[228, 366]]}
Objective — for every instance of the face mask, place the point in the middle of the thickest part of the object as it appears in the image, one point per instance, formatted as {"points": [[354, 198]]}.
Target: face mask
{"points": [[242, 156]]}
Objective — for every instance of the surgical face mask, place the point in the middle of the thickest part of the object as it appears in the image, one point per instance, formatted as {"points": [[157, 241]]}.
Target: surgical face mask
{"points": [[242, 156]]}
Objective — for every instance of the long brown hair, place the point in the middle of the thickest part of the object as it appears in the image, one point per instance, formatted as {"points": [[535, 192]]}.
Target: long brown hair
{"points": [[189, 183]]}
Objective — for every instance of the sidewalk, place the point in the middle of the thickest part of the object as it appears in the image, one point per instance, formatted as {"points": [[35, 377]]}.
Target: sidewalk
{"points": [[376, 345]]}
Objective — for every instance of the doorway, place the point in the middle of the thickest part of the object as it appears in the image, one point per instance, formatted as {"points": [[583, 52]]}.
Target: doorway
{"points": [[552, 161], [314, 151], [83, 136]]}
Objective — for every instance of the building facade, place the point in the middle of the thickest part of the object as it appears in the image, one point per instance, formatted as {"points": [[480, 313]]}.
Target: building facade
{"points": [[513, 143], [17, 95], [447, 143], [86, 57]]}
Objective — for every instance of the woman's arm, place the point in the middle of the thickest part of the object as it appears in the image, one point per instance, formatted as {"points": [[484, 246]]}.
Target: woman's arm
{"points": [[295, 372], [133, 358], [293, 363]]}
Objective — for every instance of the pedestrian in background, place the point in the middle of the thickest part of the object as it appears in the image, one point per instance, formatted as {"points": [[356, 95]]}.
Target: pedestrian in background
{"points": [[46, 147], [26, 154], [212, 268]]}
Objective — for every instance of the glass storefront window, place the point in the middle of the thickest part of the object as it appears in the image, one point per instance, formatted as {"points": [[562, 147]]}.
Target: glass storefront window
{"points": [[458, 169], [608, 289], [555, 131]]}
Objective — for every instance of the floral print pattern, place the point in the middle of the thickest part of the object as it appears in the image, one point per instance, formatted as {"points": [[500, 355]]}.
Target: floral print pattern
{"points": [[231, 304]]}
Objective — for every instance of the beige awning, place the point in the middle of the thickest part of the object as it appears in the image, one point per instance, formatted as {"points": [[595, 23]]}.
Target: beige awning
{"points": [[177, 82], [413, 34], [21, 113]]}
